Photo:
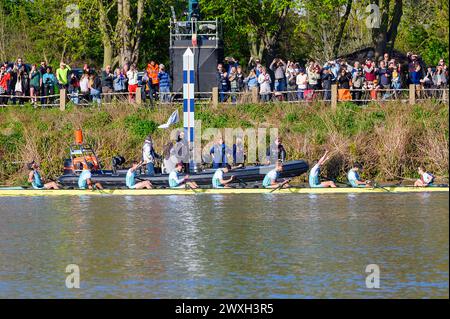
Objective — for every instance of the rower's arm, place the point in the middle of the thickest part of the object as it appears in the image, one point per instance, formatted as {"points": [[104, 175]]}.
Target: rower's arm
{"points": [[30, 177]]}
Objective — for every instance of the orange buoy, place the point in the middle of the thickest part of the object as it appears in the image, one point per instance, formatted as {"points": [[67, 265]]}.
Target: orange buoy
{"points": [[79, 137]]}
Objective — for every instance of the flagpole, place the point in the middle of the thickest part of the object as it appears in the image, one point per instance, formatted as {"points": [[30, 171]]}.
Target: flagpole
{"points": [[188, 104]]}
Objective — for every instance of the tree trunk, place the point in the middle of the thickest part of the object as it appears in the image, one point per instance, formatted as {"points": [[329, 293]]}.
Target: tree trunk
{"points": [[256, 46], [108, 49], [138, 33], [341, 28], [383, 38], [397, 16]]}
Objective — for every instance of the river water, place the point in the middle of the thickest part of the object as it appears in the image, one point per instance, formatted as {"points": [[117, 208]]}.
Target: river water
{"points": [[226, 246]]}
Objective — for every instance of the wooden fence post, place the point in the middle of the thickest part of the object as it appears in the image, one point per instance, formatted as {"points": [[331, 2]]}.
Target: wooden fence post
{"points": [[62, 99], [215, 97], [412, 94], [138, 96], [334, 96], [255, 95]]}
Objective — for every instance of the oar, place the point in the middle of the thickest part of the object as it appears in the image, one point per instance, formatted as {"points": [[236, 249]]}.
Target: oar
{"points": [[376, 185], [190, 187], [280, 186], [241, 182]]}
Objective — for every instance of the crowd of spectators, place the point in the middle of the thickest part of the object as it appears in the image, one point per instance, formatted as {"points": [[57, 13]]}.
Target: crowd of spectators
{"points": [[280, 80], [20, 83], [288, 80]]}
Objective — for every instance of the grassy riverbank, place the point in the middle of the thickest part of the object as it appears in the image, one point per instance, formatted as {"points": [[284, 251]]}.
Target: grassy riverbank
{"points": [[391, 140]]}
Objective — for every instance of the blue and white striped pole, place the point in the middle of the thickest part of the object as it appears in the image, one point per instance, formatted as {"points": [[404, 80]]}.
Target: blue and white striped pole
{"points": [[188, 103]]}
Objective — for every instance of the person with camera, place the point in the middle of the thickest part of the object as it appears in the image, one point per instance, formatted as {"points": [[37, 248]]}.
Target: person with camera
{"points": [[264, 81], [278, 66], [357, 83], [49, 82]]}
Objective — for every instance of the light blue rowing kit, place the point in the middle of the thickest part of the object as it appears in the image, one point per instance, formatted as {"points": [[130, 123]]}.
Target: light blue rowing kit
{"points": [[37, 181], [174, 180], [427, 178], [218, 176], [82, 180], [352, 177], [130, 179], [270, 178], [314, 174]]}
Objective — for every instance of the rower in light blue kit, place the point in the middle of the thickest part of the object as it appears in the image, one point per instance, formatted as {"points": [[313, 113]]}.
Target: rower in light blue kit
{"points": [[355, 180], [426, 178], [175, 181], [34, 177], [314, 174], [130, 179], [271, 180], [218, 181], [85, 179]]}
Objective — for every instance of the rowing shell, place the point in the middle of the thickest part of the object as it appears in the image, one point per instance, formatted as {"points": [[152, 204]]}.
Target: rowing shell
{"points": [[162, 192]]}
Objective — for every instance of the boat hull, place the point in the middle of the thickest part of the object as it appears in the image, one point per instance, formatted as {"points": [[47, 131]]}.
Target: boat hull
{"points": [[249, 174], [231, 191]]}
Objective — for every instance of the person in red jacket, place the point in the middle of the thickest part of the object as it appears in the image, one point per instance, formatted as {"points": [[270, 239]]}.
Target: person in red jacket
{"points": [[4, 82], [370, 71]]}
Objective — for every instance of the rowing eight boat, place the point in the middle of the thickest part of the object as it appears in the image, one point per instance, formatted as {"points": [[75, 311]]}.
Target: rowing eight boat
{"points": [[18, 191]]}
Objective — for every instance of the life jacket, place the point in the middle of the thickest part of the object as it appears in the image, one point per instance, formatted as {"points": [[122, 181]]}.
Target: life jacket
{"points": [[152, 72]]}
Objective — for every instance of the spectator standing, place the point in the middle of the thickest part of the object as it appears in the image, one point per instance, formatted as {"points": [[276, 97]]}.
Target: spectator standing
{"points": [[62, 75], [35, 83], [291, 79], [164, 84], [327, 80], [42, 71], [223, 83], [302, 83], [84, 85], [4, 82], [278, 66], [313, 72], [74, 88], [234, 85], [251, 80], [132, 83], [95, 86], [119, 81], [152, 72], [369, 71], [344, 80], [264, 81], [357, 83], [49, 83], [384, 79], [21, 85], [107, 84]]}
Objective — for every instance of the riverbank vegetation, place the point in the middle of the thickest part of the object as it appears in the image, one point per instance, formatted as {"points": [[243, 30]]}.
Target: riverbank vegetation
{"points": [[390, 139]]}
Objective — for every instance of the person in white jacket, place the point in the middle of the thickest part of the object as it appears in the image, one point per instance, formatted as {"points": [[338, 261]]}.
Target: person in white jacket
{"points": [[302, 82], [264, 81]]}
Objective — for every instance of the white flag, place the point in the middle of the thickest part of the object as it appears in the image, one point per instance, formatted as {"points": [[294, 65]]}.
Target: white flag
{"points": [[173, 119]]}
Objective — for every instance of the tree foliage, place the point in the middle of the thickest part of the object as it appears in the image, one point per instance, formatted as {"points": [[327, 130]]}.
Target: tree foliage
{"points": [[115, 31]]}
